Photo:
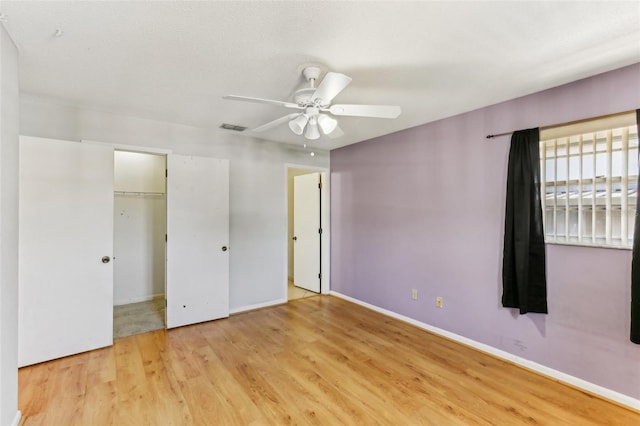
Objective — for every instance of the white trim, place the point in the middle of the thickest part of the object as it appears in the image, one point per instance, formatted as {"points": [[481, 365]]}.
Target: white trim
{"points": [[138, 299], [17, 418], [325, 282], [130, 148], [257, 306], [606, 393]]}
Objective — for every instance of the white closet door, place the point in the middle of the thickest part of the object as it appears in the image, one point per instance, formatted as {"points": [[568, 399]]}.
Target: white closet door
{"points": [[197, 240], [66, 242], [306, 226]]}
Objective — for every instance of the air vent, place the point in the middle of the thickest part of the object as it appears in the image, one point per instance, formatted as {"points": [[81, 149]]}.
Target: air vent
{"points": [[233, 127]]}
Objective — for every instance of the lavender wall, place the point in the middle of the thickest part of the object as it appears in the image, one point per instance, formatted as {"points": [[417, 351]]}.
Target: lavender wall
{"points": [[424, 209]]}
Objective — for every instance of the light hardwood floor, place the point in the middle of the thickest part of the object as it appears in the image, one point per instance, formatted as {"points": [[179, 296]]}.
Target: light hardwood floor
{"points": [[318, 360]]}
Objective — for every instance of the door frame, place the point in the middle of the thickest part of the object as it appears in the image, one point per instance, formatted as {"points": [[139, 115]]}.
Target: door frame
{"points": [[325, 220]]}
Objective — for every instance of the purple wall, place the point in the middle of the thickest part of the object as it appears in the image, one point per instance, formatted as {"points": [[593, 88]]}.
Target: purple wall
{"points": [[424, 209]]}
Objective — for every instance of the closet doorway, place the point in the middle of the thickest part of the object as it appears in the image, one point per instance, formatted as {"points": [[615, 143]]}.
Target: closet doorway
{"points": [[140, 223]]}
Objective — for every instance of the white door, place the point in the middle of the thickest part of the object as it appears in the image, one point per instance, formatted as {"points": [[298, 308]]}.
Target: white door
{"points": [[65, 245], [197, 240], [306, 231]]}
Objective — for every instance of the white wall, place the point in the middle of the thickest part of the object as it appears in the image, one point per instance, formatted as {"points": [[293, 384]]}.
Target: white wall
{"points": [[139, 227], [258, 215], [9, 123]]}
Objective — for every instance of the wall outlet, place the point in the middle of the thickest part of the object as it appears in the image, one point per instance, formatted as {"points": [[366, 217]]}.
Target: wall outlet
{"points": [[439, 302], [414, 293]]}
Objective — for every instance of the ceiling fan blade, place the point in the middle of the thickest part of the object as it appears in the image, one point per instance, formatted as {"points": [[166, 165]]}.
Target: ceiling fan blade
{"points": [[275, 122], [377, 111], [337, 133], [261, 101], [332, 84]]}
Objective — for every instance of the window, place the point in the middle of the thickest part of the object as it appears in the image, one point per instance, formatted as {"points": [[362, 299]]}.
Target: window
{"points": [[589, 173]]}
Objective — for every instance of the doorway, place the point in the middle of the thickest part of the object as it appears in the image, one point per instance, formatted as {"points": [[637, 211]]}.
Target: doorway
{"points": [[140, 223], [307, 235]]}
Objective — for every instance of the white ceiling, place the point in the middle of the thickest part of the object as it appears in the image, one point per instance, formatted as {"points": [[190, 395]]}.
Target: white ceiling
{"points": [[173, 61]]}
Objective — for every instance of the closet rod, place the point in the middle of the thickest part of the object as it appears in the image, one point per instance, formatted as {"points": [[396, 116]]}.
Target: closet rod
{"points": [[137, 193]]}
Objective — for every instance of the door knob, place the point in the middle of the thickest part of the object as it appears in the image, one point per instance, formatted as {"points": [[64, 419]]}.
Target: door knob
{"points": [[106, 259], [295, 238], [225, 248]]}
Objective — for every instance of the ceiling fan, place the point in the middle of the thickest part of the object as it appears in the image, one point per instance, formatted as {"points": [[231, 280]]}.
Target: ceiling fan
{"points": [[315, 104]]}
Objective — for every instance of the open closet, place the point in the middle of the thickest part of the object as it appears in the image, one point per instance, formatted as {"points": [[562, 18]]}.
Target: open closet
{"points": [[101, 232], [140, 225]]}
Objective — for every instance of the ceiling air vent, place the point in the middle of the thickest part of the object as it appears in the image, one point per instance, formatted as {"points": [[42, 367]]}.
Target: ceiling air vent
{"points": [[233, 127]]}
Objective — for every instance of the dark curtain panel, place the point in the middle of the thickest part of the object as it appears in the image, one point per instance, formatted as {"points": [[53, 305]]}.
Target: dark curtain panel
{"points": [[635, 269], [524, 282]]}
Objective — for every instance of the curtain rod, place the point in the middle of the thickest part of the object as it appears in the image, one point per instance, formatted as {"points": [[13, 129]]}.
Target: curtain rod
{"points": [[568, 123]]}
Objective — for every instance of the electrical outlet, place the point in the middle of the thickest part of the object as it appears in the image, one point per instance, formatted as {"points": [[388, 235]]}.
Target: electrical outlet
{"points": [[439, 302], [414, 293]]}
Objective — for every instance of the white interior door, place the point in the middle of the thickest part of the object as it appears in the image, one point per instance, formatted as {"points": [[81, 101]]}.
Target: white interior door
{"points": [[306, 227], [197, 240], [66, 228]]}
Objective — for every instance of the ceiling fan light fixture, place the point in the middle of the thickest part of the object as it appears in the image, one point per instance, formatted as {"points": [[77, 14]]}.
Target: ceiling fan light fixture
{"points": [[312, 129], [297, 124], [314, 99], [327, 124]]}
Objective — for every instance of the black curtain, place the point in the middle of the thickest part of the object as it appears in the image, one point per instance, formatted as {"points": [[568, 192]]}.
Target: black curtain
{"points": [[524, 282], [635, 268]]}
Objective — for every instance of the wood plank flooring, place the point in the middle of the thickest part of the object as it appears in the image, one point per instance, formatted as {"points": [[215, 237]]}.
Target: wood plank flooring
{"points": [[317, 361]]}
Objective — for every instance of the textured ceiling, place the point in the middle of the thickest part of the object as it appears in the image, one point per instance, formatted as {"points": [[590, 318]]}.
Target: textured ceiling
{"points": [[173, 61]]}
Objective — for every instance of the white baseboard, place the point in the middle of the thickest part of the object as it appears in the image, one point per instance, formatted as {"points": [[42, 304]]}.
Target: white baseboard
{"points": [[606, 393], [138, 299], [257, 306], [17, 418]]}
